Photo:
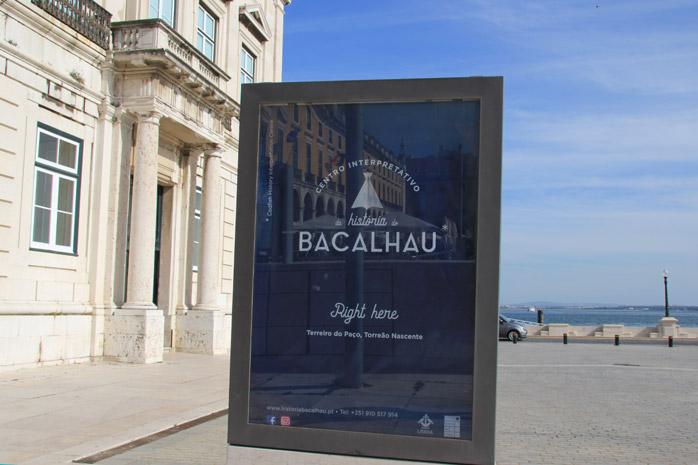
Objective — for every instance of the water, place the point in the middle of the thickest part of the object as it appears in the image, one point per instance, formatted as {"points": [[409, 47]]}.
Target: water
{"points": [[589, 316]]}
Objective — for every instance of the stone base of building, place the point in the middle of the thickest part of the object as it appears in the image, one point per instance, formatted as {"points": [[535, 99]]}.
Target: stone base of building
{"points": [[238, 455], [134, 335], [44, 339], [202, 331]]}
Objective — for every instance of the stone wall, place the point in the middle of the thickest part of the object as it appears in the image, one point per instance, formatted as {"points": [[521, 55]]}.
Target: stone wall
{"points": [[608, 330], [54, 80]]}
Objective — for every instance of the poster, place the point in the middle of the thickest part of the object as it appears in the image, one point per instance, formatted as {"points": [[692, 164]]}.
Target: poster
{"points": [[363, 307]]}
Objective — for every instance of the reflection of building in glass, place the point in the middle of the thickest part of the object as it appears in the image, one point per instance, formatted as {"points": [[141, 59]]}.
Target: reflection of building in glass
{"points": [[311, 141], [388, 185], [438, 203], [421, 205]]}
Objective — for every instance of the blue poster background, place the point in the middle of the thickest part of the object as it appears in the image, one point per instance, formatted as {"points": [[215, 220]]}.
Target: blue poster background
{"points": [[364, 278]]}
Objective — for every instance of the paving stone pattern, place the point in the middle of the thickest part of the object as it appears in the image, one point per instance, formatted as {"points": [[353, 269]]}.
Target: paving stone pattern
{"points": [[580, 404], [597, 404]]}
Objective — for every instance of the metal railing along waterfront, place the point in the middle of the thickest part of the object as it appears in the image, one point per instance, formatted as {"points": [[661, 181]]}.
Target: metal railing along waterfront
{"points": [[83, 16]]}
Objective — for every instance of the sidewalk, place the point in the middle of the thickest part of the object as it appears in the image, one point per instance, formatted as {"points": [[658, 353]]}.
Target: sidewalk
{"points": [[53, 415], [578, 404]]}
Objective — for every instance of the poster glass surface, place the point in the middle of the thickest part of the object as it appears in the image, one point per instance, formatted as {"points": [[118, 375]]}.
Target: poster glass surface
{"points": [[364, 273]]}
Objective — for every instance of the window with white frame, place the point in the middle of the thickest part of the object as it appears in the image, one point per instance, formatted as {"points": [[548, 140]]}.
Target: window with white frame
{"points": [[247, 66], [56, 189], [206, 33], [196, 239], [163, 9]]}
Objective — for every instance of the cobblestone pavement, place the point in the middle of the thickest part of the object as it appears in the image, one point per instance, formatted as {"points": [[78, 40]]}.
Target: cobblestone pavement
{"points": [[587, 404], [580, 404]]}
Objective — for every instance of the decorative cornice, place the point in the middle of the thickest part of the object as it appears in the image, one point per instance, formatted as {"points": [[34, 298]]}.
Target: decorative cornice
{"points": [[253, 17]]}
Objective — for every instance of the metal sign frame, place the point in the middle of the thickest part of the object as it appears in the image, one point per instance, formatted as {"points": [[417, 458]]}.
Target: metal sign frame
{"points": [[488, 91]]}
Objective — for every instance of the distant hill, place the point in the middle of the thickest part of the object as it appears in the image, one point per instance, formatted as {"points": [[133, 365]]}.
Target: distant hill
{"points": [[547, 303], [543, 304]]}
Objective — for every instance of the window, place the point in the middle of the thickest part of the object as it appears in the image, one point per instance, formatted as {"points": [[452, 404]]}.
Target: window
{"points": [[279, 146], [56, 189], [308, 119], [319, 163], [329, 131], [196, 240], [247, 65], [308, 158], [295, 113], [163, 9], [295, 155], [206, 33], [319, 129]]}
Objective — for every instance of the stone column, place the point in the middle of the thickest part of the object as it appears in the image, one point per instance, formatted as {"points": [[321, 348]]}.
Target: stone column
{"points": [[188, 194], [100, 233], [209, 253], [135, 331], [202, 329], [141, 257]]}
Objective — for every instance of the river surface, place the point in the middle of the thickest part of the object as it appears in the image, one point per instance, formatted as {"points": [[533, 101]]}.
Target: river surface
{"points": [[588, 316]]}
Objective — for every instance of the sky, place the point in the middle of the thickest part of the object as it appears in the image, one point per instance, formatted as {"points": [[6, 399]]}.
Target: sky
{"points": [[600, 154]]}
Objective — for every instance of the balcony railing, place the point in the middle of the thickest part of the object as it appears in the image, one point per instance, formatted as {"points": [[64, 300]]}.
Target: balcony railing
{"points": [[155, 35], [84, 16]]}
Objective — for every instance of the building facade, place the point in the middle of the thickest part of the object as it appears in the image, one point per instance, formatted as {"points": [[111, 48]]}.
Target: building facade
{"points": [[118, 172]]}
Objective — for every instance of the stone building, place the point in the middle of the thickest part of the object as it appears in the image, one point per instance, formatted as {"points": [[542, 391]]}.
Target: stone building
{"points": [[118, 172]]}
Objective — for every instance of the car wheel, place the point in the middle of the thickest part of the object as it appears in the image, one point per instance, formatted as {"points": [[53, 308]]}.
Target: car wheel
{"points": [[513, 334]]}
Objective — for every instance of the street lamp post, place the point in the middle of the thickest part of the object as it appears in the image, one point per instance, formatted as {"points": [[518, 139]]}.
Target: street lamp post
{"points": [[666, 294]]}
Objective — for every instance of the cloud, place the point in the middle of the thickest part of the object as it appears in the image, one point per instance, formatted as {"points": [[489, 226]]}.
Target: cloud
{"points": [[652, 134], [629, 47]]}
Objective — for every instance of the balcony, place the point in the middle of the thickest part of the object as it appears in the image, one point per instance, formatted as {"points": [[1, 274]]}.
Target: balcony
{"points": [[83, 16], [310, 178], [154, 44], [156, 37]]}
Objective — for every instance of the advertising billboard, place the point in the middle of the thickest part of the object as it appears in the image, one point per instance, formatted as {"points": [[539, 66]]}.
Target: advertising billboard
{"points": [[365, 306]]}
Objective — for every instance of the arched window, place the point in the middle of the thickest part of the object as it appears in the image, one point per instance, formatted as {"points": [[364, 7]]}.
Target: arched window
{"points": [[307, 207], [319, 207]]}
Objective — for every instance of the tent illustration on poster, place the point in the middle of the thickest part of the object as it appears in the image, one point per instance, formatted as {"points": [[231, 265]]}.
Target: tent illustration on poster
{"points": [[367, 197]]}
